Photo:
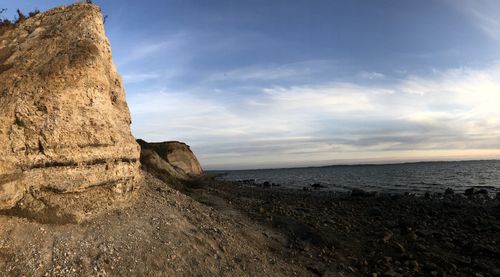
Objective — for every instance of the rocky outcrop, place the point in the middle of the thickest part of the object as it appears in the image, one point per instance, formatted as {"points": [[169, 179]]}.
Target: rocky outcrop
{"points": [[172, 157], [64, 121]]}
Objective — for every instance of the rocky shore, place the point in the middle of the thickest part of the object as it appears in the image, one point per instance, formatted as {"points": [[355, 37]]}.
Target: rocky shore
{"points": [[205, 227], [371, 234]]}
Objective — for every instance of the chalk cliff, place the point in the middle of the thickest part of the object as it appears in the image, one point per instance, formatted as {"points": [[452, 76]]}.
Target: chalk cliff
{"points": [[64, 123], [171, 157]]}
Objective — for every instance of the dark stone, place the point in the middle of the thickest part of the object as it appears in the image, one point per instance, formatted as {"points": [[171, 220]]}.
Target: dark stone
{"points": [[469, 191], [411, 236], [317, 186], [374, 212], [420, 247], [430, 266], [390, 273], [359, 193], [482, 191]]}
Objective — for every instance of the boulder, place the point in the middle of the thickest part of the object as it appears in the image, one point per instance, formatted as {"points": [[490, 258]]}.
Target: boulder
{"points": [[357, 192], [317, 186], [469, 191], [64, 121], [449, 191]]}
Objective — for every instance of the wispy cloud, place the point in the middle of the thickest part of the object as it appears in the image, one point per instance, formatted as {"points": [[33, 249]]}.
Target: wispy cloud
{"points": [[151, 47], [456, 109], [484, 14], [273, 72], [371, 75], [329, 99]]}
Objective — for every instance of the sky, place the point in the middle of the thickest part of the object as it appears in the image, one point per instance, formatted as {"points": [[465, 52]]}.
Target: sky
{"points": [[280, 83]]}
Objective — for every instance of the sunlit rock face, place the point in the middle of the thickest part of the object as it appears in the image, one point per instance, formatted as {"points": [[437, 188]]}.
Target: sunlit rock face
{"points": [[64, 123], [171, 157]]}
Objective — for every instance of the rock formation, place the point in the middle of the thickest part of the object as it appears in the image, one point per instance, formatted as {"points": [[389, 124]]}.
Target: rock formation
{"points": [[64, 122], [172, 157]]}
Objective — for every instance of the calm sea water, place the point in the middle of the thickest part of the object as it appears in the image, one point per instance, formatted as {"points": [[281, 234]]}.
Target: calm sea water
{"points": [[393, 178]]}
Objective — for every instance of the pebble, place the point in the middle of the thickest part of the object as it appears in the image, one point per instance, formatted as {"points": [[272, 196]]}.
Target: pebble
{"points": [[430, 266], [412, 236], [391, 273], [387, 235]]}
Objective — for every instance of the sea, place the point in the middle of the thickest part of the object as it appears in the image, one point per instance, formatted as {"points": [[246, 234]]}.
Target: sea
{"points": [[417, 178]]}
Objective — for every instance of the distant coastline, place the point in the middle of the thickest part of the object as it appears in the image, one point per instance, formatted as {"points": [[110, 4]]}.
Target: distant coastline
{"points": [[382, 163]]}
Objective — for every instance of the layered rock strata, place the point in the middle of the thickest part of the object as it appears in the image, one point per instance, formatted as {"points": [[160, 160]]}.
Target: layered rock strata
{"points": [[64, 121]]}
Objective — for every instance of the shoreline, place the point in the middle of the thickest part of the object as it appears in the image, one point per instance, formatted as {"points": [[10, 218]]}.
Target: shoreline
{"points": [[491, 192], [372, 234], [205, 227]]}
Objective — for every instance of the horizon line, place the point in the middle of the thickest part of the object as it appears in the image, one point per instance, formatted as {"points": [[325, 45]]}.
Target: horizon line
{"points": [[380, 163]]}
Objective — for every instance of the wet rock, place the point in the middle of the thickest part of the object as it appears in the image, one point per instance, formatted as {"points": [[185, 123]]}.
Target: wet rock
{"points": [[387, 235], [412, 236], [449, 191], [356, 192], [247, 182], [317, 186], [430, 266], [469, 191], [399, 247], [415, 265], [374, 212], [391, 273], [420, 247], [482, 191], [471, 220]]}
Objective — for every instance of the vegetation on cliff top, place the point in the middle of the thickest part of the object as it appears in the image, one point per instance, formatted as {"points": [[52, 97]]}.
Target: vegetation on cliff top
{"points": [[20, 17]]}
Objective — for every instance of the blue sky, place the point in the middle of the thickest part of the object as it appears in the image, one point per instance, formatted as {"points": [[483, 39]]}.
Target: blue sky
{"points": [[259, 83]]}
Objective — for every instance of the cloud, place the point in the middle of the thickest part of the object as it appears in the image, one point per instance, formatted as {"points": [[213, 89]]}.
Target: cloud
{"points": [[273, 72], [327, 99], [454, 112], [483, 13], [259, 73], [147, 48], [143, 50], [371, 75]]}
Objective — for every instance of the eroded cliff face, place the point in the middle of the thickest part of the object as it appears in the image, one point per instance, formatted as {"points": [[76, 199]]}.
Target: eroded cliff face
{"points": [[171, 157], [64, 121]]}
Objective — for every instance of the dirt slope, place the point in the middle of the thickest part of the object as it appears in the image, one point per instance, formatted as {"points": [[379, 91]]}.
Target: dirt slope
{"points": [[164, 233]]}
